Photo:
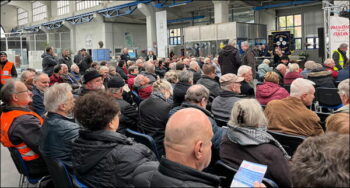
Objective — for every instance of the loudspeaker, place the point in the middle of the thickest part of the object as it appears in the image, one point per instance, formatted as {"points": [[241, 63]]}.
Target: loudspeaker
{"points": [[320, 32]]}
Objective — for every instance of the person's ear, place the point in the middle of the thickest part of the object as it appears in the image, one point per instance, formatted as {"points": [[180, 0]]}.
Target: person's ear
{"points": [[198, 150]]}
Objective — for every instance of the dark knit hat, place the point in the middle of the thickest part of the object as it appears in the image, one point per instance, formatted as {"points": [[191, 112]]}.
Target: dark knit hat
{"points": [[116, 82], [91, 75], [3, 53]]}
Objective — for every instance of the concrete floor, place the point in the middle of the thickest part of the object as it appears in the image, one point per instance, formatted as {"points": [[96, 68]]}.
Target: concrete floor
{"points": [[9, 173]]}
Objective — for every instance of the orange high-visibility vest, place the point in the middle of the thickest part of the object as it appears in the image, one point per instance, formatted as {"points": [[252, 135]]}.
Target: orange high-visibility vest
{"points": [[5, 72], [6, 122]]}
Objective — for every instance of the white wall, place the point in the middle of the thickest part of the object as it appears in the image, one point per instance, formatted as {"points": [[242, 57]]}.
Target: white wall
{"points": [[8, 17], [267, 17], [138, 33], [89, 31]]}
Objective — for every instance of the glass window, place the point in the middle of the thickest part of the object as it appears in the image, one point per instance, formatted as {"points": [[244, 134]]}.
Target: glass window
{"points": [[297, 20], [298, 44], [62, 7], [22, 16], [310, 42], [81, 5], [175, 36], [297, 32], [290, 22], [39, 11], [282, 21]]}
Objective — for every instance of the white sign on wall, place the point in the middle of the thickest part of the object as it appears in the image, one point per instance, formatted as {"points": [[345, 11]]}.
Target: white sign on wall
{"points": [[162, 34], [35, 60], [339, 32]]}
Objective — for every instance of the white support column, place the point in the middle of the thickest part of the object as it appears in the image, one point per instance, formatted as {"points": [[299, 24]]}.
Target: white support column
{"points": [[149, 12], [221, 11], [72, 37]]}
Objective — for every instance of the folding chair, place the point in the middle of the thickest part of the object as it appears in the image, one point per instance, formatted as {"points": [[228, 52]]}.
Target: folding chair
{"points": [[327, 98], [143, 139], [289, 142], [77, 183], [287, 87], [59, 173], [22, 169]]}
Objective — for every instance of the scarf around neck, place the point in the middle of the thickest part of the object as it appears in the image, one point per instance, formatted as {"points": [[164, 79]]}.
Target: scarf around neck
{"points": [[245, 136]]}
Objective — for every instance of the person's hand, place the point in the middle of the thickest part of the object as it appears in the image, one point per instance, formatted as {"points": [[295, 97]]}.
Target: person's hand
{"points": [[259, 185]]}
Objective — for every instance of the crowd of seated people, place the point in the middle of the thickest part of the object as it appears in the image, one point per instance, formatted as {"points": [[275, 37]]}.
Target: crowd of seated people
{"points": [[195, 116]]}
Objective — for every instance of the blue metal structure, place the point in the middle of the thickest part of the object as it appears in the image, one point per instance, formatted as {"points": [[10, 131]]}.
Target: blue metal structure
{"points": [[170, 3], [119, 10]]}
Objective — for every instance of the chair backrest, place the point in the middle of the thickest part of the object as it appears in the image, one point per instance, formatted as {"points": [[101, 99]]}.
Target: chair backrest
{"points": [[289, 142], [59, 173], [328, 97], [21, 165], [143, 139], [222, 169], [77, 183]]}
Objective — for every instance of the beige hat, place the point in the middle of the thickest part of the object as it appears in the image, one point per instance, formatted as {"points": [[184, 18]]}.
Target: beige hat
{"points": [[229, 78]]}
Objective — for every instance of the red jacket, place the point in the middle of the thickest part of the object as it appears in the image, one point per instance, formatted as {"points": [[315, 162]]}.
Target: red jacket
{"points": [[290, 77], [334, 73], [54, 79], [145, 92], [130, 81], [270, 91]]}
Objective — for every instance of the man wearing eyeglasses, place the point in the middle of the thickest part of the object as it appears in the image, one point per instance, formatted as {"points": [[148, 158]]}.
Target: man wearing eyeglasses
{"points": [[7, 69], [20, 127]]}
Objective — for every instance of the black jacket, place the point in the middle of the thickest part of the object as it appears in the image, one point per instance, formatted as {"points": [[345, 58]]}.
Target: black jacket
{"points": [[322, 79], [66, 60], [180, 90], [229, 60], [196, 76], [84, 64], [125, 57], [129, 116], [38, 102], [48, 63], [107, 159], [153, 116], [222, 104], [246, 89], [57, 134], [172, 174], [211, 84], [268, 154]]}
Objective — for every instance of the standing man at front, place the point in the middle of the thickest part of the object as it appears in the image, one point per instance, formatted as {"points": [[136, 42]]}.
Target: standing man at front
{"points": [[49, 61], [229, 59], [248, 57], [339, 56], [7, 69], [125, 56]]}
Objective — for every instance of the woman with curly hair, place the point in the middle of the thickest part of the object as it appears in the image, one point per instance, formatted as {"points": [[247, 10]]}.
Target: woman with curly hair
{"points": [[101, 156]]}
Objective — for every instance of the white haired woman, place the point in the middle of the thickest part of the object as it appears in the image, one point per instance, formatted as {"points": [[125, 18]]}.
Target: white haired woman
{"points": [[153, 112], [292, 74], [247, 139], [263, 68]]}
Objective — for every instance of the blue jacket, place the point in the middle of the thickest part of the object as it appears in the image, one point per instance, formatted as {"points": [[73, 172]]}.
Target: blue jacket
{"points": [[57, 135], [343, 74], [218, 131], [38, 102]]}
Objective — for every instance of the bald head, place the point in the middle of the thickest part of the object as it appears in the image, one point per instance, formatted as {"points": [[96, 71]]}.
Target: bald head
{"points": [[188, 137]]}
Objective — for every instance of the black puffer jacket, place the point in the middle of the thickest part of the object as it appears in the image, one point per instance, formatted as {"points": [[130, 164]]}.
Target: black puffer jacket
{"points": [[171, 174], [129, 116], [322, 79], [107, 159], [180, 90], [153, 116], [229, 60]]}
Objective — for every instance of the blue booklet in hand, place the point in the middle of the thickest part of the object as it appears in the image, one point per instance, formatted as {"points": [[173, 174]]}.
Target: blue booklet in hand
{"points": [[248, 173]]}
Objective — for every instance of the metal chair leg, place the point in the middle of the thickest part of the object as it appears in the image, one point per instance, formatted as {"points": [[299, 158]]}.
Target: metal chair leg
{"points": [[20, 180]]}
